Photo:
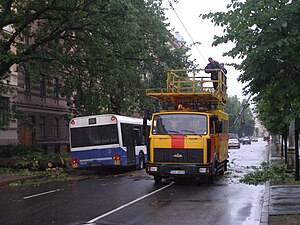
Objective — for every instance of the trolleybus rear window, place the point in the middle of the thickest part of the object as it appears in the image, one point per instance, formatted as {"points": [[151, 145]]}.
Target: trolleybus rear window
{"points": [[94, 135]]}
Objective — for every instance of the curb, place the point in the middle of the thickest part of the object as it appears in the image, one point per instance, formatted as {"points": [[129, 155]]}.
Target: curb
{"points": [[264, 218]]}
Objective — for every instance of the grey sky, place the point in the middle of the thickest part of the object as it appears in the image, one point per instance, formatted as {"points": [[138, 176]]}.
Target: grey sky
{"points": [[203, 31]]}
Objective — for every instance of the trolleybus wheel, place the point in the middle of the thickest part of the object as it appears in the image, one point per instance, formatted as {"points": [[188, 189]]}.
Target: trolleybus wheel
{"points": [[141, 164], [157, 179]]}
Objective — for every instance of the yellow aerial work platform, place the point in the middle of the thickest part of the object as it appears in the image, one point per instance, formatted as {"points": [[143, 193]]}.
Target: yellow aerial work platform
{"points": [[193, 89]]}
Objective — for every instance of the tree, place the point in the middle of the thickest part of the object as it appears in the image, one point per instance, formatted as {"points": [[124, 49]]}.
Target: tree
{"points": [[106, 52], [266, 38], [56, 22], [231, 108], [129, 63], [275, 117], [246, 124]]}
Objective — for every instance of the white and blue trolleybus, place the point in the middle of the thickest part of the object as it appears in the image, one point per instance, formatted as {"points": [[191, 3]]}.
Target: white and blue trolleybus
{"points": [[108, 141]]}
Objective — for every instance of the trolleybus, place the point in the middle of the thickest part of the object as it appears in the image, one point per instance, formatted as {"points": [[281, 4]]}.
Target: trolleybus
{"points": [[108, 141]]}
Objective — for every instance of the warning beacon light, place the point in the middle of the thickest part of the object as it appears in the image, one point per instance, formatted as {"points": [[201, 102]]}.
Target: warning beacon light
{"points": [[180, 107]]}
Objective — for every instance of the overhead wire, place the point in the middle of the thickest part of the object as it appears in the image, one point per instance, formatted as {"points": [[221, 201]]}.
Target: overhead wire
{"points": [[193, 42]]}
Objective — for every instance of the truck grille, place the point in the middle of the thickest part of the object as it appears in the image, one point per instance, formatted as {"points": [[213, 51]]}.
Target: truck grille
{"points": [[177, 155]]}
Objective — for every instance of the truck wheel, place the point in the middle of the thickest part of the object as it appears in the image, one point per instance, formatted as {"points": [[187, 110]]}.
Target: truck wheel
{"points": [[221, 172], [225, 166], [157, 179], [141, 164]]}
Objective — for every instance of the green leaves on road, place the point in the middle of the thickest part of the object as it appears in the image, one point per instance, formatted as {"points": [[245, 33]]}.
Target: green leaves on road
{"points": [[273, 173]]}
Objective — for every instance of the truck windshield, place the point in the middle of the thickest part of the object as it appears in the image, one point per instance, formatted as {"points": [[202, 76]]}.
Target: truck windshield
{"points": [[186, 124]]}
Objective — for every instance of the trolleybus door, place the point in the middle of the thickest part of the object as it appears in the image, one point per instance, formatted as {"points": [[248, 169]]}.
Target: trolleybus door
{"points": [[129, 142]]}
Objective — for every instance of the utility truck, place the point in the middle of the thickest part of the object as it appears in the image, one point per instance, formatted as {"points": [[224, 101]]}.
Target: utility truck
{"points": [[189, 135]]}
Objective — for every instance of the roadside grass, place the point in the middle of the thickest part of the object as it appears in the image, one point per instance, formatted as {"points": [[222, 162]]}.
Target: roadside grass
{"points": [[18, 172], [38, 177], [26, 176], [25, 164], [276, 174]]}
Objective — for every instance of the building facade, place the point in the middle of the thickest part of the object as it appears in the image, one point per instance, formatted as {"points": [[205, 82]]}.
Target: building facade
{"points": [[43, 110], [8, 127], [46, 111]]}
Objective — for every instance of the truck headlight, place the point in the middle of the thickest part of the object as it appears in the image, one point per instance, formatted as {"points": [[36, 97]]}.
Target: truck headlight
{"points": [[153, 168]]}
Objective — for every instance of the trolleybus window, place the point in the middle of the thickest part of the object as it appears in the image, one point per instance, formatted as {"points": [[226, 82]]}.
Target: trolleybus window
{"points": [[95, 135], [133, 132], [139, 138]]}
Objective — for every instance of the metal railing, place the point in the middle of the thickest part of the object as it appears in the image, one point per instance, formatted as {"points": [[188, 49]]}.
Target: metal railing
{"points": [[192, 82]]}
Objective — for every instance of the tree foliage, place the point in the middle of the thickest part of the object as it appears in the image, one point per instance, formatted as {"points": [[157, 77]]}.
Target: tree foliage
{"points": [[266, 35], [106, 52], [245, 125], [276, 117]]}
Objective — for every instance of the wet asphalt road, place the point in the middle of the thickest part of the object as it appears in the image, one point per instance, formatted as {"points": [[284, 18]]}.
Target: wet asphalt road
{"points": [[130, 198]]}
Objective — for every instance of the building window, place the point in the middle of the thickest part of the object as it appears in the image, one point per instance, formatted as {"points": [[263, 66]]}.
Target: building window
{"points": [[55, 87], [27, 85], [55, 127], [42, 126], [4, 111], [43, 86]]}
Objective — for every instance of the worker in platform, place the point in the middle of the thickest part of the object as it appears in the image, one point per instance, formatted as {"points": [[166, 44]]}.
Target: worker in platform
{"points": [[224, 72], [213, 73]]}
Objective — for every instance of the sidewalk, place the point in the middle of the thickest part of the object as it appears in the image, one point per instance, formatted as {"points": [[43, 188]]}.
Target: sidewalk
{"points": [[281, 203]]}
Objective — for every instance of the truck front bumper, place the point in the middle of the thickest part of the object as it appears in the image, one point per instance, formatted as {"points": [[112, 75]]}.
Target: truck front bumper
{"points": [[171, 170]]}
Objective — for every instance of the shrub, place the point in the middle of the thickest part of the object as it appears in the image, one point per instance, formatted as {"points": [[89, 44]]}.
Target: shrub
{"points": [[8, 151], [56, 174], [28, 161], [29, 157]]}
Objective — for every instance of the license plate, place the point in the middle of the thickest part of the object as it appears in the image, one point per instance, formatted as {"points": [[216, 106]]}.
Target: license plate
{"points": [[177, 172], [95, 164]]}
